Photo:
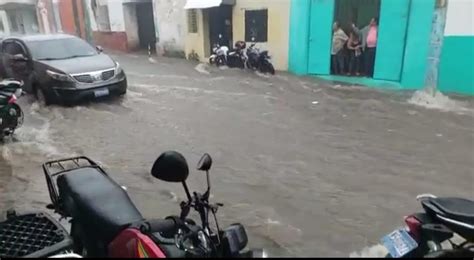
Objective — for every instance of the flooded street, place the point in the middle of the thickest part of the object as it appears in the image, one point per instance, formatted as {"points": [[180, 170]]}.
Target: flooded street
{"points": [[310, 169]]}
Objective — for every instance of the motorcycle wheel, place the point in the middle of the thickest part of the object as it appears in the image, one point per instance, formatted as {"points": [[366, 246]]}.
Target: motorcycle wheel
{"points": [[220, 61], [270, 68]]}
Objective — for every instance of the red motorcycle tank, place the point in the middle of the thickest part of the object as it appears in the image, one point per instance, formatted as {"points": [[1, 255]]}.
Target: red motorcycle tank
{"points": [[131, 243]]}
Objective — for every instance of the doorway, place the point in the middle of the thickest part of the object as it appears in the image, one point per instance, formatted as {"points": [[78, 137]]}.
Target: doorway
{"points": [[146, 25], [220, 26], [350, 53]]}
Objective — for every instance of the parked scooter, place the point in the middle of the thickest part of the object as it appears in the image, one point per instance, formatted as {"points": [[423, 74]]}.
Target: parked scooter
{"points": [[426, 233], [219, 56], [106, 223], [11, 115], [259, 60]]}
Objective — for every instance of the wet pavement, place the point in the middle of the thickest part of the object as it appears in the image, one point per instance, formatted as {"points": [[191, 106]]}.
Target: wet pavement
{"points": [[311, 169]]}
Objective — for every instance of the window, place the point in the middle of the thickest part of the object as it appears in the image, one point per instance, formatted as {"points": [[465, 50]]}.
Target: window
{"points": [[59, 49], [256, 22], [192, 21]]}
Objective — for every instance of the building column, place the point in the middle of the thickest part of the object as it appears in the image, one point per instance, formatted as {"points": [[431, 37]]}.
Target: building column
{"points": [[57, 17], [43, 21]]}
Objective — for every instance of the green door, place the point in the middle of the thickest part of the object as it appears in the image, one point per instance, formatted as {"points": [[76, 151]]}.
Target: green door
{"points": [[320, 36], [391, 39]]}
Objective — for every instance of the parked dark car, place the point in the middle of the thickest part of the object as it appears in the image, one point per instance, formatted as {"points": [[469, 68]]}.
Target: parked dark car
{"points": [[60, 68]]}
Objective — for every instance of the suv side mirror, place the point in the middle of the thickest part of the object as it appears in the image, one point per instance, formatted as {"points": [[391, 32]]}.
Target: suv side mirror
{"points": [[205, 163], [99, 49]]}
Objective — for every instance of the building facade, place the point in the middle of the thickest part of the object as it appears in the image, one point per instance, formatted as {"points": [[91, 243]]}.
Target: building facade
{"points": [[19, 17], [264, 22], [414, 48], [456, 67]]}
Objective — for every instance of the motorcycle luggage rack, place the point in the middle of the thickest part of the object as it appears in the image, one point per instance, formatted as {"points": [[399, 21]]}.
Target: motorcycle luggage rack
{"points": [[32, 235], [63, 166]]}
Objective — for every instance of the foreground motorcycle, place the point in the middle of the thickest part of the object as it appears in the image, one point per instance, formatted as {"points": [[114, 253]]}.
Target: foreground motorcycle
{"points": [[11, 115], [427, 233], [259, 60], [105, 222]]}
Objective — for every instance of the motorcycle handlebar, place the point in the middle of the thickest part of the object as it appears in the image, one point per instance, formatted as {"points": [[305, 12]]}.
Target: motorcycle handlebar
{"points": [[162, 225]]}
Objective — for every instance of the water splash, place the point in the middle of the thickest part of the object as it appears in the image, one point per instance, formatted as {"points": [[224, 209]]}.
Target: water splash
{"points": [[370, 251], [202, 68], [432, 99]]}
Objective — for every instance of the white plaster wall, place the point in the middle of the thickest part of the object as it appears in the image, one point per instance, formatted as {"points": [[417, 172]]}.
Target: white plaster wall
{"points": [[170, 21], [92, 20], [6, 25], [116, 16], [29, 20], [460, 18], [131, 25]]}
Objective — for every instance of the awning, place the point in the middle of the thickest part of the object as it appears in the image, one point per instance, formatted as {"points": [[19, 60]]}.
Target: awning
{"points": [[201, 4]]}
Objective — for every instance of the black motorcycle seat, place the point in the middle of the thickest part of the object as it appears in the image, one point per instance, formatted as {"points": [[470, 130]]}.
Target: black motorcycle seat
{"points": [[97, 201], [458, 209]]}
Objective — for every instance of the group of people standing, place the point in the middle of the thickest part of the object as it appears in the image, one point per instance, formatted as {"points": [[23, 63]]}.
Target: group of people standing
{"points": [[354, 54]]}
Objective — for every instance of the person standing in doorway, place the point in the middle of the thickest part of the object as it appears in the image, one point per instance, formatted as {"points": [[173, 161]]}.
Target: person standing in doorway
{"points": [[339, 38], [354, 46], [371, 47]]}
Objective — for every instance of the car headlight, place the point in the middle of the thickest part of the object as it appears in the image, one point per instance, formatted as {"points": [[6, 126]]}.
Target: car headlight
{"points": [[118, 69], [59, 76]]}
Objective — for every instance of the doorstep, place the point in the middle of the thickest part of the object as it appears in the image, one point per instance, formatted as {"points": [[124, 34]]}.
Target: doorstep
{"points": [[364, 81]]}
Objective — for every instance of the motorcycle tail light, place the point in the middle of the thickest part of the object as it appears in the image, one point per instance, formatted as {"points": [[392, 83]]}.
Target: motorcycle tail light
{"points": [[414, 226], [12, 99]]}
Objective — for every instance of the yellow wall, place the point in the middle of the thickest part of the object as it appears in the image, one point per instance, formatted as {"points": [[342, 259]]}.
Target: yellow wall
{"points": [[278, 27], [278, 30], [195, 41]]}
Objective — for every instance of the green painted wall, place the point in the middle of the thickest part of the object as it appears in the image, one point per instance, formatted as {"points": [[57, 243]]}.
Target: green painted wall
{"points": [[417, 44], [415, 57], [299, 35], [456, 69]]}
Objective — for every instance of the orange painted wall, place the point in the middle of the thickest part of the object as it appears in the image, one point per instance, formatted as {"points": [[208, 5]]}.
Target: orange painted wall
{"points": [[67, 17]]}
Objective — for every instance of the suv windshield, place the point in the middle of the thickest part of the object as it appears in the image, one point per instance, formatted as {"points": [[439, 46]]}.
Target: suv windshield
{"points": [[59, 49]]}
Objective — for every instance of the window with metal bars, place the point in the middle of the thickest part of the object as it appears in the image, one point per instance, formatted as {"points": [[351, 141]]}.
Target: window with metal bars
{"points": [[256, 22], [192, 21]]}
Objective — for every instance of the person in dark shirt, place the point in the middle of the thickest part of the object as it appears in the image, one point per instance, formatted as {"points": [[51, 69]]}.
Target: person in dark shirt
{"points": [[354, 45]]}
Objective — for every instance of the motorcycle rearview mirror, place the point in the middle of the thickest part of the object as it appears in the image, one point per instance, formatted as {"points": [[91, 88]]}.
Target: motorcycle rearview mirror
{"points": [[171, 166], [205, 165]]}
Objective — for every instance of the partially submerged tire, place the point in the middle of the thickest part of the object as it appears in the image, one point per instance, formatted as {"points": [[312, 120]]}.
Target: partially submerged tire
{"points": [[270, 68], [41, 97]]}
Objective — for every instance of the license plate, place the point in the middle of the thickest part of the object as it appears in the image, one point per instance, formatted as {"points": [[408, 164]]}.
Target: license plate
{"points": [[399, 243], [101, 92]]}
